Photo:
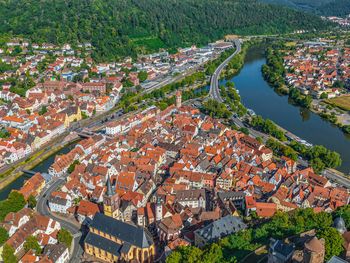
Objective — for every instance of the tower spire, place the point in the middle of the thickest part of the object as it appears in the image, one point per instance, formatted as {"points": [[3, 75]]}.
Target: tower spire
{"points": [[109, 187]]}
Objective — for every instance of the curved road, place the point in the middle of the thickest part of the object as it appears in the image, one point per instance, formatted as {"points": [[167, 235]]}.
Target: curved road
{"points": [[43, 209], [214, 82]]}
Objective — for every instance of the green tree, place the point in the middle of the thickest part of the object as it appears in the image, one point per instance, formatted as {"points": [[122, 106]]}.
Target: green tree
{"points": [[324, 96], [32, 243], [14, 202], [3, 235], [31, 201], [174, 257], [72, 166], [213, 254], [333, 242], [4, 133], [142, 76], [215, 109], [65, 237], [245, 130], [43, 110], [8, 254]]}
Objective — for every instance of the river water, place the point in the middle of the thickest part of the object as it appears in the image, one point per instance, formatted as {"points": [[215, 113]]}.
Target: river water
{"points": [[257, 95], [43, 167]]}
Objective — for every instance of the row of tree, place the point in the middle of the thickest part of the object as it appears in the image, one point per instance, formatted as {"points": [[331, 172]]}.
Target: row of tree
{"points": [[267, 126]]}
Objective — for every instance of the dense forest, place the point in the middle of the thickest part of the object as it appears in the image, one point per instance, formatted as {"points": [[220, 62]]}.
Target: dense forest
{"points": [[127, 27], [319, 7]]}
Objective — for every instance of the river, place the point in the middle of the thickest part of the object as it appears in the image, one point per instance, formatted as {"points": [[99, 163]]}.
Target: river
{"points": [[43, 167], [257, 95]]}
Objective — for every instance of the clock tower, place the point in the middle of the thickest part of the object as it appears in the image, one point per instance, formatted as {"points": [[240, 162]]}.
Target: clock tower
{"points": [[111, 201]]}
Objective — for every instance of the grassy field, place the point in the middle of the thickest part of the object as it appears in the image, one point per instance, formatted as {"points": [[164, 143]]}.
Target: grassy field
{"points": [[342, 102], [149, 43]]}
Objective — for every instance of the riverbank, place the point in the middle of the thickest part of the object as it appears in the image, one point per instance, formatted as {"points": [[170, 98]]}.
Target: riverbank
{"points": [[329, 109], [257, 95], [15, 178]]}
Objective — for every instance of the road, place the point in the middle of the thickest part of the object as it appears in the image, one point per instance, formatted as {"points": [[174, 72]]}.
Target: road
{"points": [[336, 177], [214, 92], [43, 209]]}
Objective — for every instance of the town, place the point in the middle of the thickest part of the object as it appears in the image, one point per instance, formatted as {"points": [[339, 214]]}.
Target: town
{"points": [[164, 179], [175, 131], [48, 89], [316, 76]]}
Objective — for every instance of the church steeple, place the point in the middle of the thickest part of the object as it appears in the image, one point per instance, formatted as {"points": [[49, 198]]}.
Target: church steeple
{"points": [[111, 201], [109, 187]]}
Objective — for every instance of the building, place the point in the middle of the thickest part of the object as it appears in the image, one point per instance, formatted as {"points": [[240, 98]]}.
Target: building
{"points": [[33, 186], [280, 252], [72, 114], [86, 211], [170, 227], [112, 240], [192, 198], [94, 86], [314, 250], [111, 201], [218, 229], [346, 244], [59, 204], [57, 253], [178, 99]]}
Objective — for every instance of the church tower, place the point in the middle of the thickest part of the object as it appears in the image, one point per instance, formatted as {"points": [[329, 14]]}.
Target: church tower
{"points": [[178, 99], [159, 209], [111, 201]]}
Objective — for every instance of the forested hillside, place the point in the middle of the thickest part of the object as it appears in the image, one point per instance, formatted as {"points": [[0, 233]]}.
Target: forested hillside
{"points": [[124, 27], [319, 7]]}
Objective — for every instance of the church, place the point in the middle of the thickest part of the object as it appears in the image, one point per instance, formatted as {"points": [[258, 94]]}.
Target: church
{"points": [[112, 240]]}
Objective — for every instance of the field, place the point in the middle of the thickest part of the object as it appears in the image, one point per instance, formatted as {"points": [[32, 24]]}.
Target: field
{"points": [[342, 102], [152, 44]]}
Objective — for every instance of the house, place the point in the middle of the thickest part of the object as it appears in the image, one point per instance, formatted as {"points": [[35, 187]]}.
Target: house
{"points": [[59, 202], [218, 229], [94, 87], [169, 228], [33, 186], [14, 221], [37, 224], [86, 211], [280, 252], [57, 253], [192, 198], [265, 209]]}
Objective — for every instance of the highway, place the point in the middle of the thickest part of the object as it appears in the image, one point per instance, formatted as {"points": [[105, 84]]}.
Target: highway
{"points": [[214, 92], [43, 209]]}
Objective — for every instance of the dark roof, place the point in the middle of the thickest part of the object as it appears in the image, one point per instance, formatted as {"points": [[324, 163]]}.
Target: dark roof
{"points": [[282, 248], [135, 235], [192, 194], [336, 259], [231, 195], [54, 252], [109, 187], [222, 227], [57, 200], [103, 243]]}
